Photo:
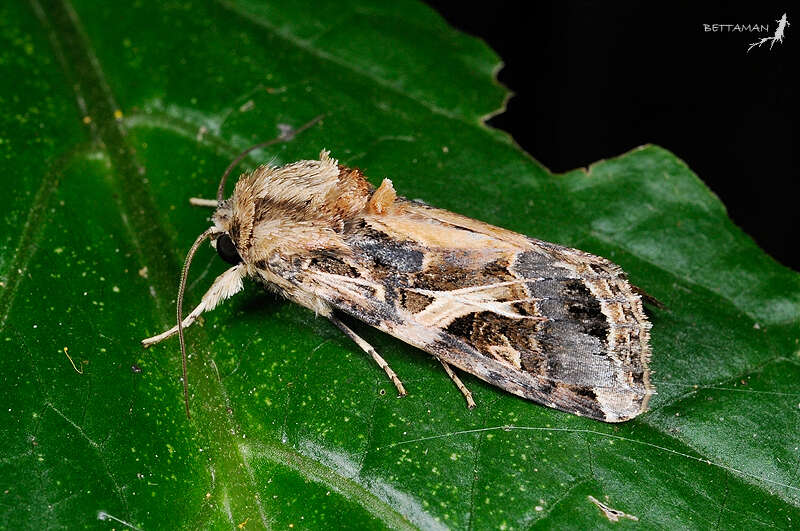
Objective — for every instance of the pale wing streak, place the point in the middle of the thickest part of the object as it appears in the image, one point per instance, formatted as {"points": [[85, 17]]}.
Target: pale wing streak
{"points": [[451, 304], [352, 287], [483, 287], [469, 300]]}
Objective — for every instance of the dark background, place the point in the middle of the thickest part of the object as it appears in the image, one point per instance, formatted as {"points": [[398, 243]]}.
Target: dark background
{"points": [[593, 80]]}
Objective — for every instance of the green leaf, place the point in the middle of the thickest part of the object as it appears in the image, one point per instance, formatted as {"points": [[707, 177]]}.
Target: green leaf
{"points": [[113, 116]]}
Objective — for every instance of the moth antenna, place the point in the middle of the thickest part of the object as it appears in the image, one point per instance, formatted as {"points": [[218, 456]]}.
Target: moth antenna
{"points": [[181, 289], [285, 136]]}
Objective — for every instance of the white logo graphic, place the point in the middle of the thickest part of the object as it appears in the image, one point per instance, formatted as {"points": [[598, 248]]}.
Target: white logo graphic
{"points": [[778, 37]]}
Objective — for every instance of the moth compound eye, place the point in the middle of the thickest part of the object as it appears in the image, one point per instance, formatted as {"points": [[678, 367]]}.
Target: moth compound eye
{"points": [[227, 250]]}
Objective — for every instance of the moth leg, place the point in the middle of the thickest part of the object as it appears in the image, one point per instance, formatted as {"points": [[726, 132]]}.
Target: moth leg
{"points": [[199, 201], [226, 285], [456, 380], [366, 347], [647, 297]]}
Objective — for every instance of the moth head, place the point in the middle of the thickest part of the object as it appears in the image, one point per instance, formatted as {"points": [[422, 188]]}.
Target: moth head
{"points": [[227, 242]]}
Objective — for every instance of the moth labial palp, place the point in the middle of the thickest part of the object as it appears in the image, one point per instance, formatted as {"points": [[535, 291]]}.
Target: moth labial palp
{"points": [[548, 323]]}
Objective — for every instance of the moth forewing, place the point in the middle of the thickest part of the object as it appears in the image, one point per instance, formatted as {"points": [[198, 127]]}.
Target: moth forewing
{"points": [[556, 325]]}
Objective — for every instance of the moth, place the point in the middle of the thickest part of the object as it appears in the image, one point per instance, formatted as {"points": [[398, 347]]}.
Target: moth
{"points": [[555, 325]]}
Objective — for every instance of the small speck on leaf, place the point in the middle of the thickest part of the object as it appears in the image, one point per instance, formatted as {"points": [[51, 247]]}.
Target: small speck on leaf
{"points": [[612, 514]]}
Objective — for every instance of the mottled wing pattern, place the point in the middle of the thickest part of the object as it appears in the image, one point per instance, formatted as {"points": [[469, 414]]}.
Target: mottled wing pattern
{"points": [[555, 325]]}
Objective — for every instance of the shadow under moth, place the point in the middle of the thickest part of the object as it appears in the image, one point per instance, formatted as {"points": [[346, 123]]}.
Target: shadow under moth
{"points": [[555, 325]]}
